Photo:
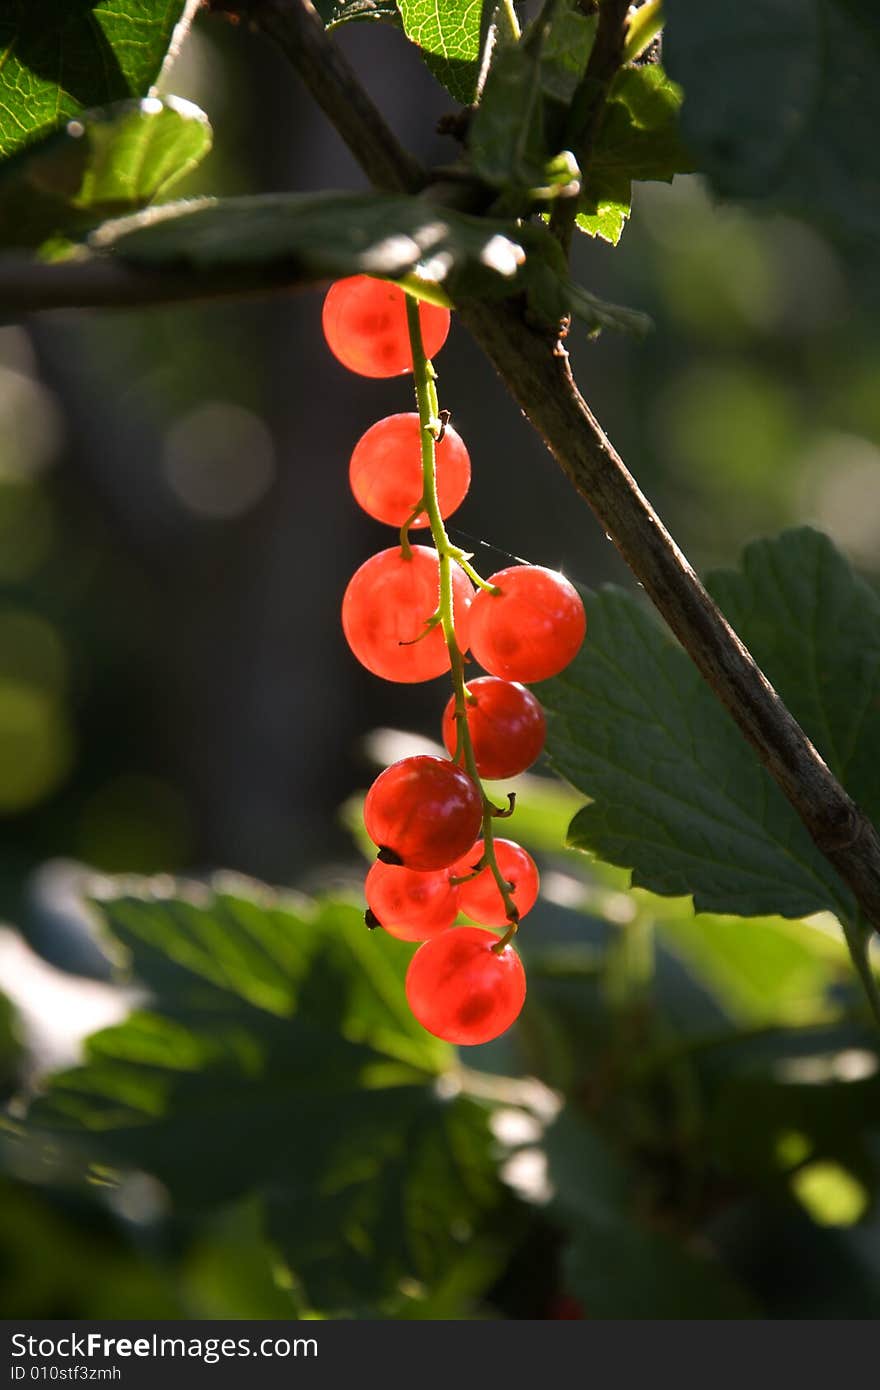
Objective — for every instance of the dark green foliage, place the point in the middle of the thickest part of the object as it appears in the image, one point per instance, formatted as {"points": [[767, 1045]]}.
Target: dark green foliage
{"points": [[676, 796], [62, 57], [638, 139], [322, 236], [782, 105], [272, 1021], [102, 164]]}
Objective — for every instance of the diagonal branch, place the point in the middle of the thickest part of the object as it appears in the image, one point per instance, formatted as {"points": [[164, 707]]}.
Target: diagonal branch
{"points": [[539, 377], [298, 31], [541, 381]]}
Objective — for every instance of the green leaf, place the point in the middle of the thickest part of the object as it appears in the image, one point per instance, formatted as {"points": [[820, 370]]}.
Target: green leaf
{"points": [[677, 796], [378, 1206], [516, 132], [616, 1266], [323, 236], [782, 105], [434, 252], [61, 57], [10, 1046], [336, 12], [762, 970], [815, 627], [566, 51], [607, 221], [101, 165], [279, 1059], [638, 139], [449, 36]]}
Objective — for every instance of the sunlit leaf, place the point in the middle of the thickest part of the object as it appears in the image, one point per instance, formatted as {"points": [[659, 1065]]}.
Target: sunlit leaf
{"points": [[449, 37], [61, 57], [677, 796], [638, 139], [102, 164]]}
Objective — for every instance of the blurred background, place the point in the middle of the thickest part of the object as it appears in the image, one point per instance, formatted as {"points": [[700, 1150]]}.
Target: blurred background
{"points": [[176, 532]]}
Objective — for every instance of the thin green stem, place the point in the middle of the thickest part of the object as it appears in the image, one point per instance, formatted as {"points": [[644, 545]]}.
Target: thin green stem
{"points": [[429, 420], [643, 29], [858, 936], [512, 19], [462, 558]]}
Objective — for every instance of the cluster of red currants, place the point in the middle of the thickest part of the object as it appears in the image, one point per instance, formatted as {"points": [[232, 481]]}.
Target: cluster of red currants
{"points": [[438, 855]]}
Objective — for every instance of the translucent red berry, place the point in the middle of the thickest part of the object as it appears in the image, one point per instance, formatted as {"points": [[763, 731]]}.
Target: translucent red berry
{"points": [[410, 905], [506, 723], [462, 990], [386, 470], [385, 610], [364, 322], [530, 630], [481, 898], [423, 812]]}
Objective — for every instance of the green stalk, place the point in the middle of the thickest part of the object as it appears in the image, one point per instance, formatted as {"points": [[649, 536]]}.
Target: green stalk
{"points": [[430, 423], [643, 29], [511, 17]]}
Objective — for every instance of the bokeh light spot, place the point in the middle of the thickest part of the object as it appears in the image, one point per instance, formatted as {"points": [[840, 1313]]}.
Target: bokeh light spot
{"points": [[219, 460]]}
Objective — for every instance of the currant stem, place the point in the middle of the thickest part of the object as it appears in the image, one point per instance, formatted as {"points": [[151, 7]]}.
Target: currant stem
{"points": [[462, 559], [512, 18], [643, 29], [430, 422]]}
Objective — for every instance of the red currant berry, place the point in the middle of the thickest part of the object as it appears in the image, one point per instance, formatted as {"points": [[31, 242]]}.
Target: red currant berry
{"points": [[423, 812], [386, 607], [462, 990], [481, 898], [506, 723], [530, 630], [386, 470], [364, 322], [411, 906]]}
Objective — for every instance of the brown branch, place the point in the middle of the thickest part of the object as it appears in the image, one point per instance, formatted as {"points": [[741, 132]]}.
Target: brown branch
{"points": [[542, 383], [28, 286], [296, 28]]}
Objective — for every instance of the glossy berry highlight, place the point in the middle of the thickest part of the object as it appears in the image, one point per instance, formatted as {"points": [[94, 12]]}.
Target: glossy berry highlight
{"points": [[463, 990], [423, 813], [532, 628], [385, 610], [385, 472], [481, 898], [506, 723], [364, 322], [410, 905]]}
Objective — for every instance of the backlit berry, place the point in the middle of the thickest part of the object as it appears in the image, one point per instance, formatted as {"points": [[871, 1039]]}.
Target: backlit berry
{"points": [[423, 812], [386, 607], [532, 628], [462, 990], [386, 470], [481, 898], [364, 322], [506, 723], [410, 905]]}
